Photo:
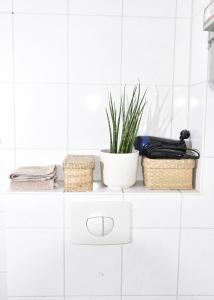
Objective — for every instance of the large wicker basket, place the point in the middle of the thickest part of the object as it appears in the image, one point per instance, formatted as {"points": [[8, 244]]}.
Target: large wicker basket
{"points": [[168, 174], [78, 173]]}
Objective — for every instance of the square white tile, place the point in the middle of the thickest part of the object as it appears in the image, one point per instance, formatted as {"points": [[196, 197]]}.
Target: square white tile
{"points": [[7, 163], [152, 8], [41, 114], [3, 286], [209, 143], [92, 270], [197, 211], [180, 110], [6, 48], [184, 8], [34, 210], [6, 116], [94, 49], [199, 54], [35, 262], [40, 6], [88, 126], [150, 263], [5, 6], [155, 210], [197, 262], [95, 7], [148, 50], [43, 57], [182, 52]]}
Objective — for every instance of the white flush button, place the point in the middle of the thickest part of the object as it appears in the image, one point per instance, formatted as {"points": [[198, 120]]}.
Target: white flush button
{"points": [[100, 222], [95, 226], [108, 224], [100, 225]]}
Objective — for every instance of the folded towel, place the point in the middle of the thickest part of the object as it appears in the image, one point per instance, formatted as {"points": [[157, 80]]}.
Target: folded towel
{"points": [[34, 173], [32, 185]]}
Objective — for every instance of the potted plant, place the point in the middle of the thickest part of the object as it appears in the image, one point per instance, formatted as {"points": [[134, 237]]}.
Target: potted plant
{"points": [[119, 163]]}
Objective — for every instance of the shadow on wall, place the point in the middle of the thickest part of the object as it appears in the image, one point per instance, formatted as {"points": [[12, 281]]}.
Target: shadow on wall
{"points": [[158, 115]]}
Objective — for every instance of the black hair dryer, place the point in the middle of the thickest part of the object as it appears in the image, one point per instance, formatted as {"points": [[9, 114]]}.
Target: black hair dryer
{"points": [[157, 147]]}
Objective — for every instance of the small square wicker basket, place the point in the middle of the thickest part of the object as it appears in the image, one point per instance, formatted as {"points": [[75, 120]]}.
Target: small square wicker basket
{"points": [[168, 174], [78, 173]]}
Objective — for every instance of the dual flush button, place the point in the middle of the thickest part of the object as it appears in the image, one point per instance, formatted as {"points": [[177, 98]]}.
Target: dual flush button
{"points": [[102, 222], [100, 225]]}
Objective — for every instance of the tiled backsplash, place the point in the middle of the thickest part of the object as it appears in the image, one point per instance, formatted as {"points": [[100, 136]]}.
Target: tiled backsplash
{"points": [[58, 59]]}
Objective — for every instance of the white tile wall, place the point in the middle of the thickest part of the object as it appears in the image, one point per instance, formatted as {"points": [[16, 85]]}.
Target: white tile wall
{"points": [[199, 5], [30, 210], [35, 262], [182, 49], [197, 105], [6, 116], [94, 298], [40, 6], [152, 8], [3, 286], [94, 48], [209, 143], [199, 50], [6, 48], [150, 59], [2, 245], [150, 266], [197, 262], [5, 6], [180, 110], [47, 127], [184, 8], [92, 270], [148, 298], [95, 7], [155, 210], [196, 298], [7, 164], [88, 102], [44, 37], [52, 49]]}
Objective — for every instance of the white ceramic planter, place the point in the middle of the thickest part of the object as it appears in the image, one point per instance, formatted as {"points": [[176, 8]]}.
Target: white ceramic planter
{"points": [[119, 170]]}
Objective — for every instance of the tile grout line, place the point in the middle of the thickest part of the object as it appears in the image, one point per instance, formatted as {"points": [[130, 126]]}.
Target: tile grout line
{"points": [[93, 83], [68, 76], [179, 246], [13, 82], [190, 66], [121, 72], [173, 74], [64, 228], [202, 185]]}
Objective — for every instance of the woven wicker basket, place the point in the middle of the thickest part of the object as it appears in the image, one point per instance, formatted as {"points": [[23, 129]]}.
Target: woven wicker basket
{"points": [[78, 173], [168, 174]]}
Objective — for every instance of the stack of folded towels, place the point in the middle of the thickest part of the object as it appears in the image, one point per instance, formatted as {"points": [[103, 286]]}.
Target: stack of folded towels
{"points": [[33, 178]]}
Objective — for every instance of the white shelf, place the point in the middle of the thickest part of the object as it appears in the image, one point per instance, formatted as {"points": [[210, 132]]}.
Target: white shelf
{"points": [[99, 188]]}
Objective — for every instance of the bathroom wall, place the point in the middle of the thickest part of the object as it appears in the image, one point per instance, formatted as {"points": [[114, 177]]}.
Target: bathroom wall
{"points": [[57, 62]]}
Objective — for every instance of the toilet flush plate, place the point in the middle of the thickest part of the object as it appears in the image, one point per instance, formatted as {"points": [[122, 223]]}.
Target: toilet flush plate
{"points": [[100, 222]]}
